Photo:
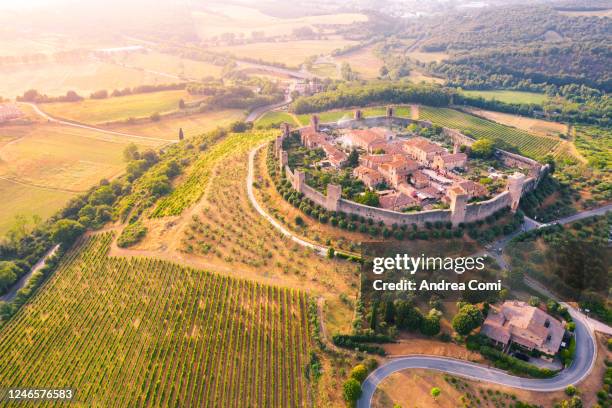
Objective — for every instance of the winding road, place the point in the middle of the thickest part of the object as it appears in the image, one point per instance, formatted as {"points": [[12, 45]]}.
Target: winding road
{"points": [[50, 118], [586, 348]]}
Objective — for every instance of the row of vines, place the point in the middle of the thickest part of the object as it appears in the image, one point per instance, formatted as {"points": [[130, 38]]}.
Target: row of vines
{"points": [[191, 188], [525, 143], [143, 332]]}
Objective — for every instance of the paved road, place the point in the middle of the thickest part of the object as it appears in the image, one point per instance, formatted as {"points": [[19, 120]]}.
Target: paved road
{"points": [[46, 116], [322, 250], [585, 341], [580, 368], [257, 112], [10, 295]]}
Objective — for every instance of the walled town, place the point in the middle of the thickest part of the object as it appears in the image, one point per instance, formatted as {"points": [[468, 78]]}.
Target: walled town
{"points": [[410, 174]]}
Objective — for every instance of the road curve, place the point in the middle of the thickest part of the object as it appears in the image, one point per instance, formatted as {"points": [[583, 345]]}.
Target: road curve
{"points": [[322, 250], [46, 116], [581, 366]]}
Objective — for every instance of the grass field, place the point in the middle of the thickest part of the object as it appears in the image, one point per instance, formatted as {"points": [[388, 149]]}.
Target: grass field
{"points": [[508, 96], [228, 18], [291, 53], [418, 77], [276, 117], [363, 61], [526, 143], [98, 111], [325, 69], [43, 165], [168, 128], [336, 115], [172, 65], [84, 78], [143, 332]]}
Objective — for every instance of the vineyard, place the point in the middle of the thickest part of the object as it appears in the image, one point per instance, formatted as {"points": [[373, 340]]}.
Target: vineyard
{"points": [[143, 332], [193, 186], [525, 143]]}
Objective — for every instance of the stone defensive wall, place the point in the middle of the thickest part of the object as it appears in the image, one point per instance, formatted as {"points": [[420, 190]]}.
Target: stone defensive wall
{"points": [[460, 210]]}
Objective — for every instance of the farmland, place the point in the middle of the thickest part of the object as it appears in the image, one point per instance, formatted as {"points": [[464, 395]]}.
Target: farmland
{"points": [[144, 332], [219, 19], [538, 126], [82, 77], [171, 65], [98, 111], [291, 53], [43, 165], [508, 96], [191, 189], [525, 143], [363, 61], [168, 127]]}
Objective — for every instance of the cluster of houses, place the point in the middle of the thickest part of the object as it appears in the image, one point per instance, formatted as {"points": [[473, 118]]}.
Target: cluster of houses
{"points": [[407, 172]]}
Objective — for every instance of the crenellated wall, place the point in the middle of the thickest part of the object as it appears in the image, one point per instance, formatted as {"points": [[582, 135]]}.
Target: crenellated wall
{"points": [[460, 210]]}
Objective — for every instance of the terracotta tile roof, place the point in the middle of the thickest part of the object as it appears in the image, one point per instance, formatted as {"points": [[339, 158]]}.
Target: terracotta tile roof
{"points": [[396, 201], [524, 324]]}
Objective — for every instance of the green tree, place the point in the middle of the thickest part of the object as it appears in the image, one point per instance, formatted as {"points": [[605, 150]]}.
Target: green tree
{"points": [[181, 134], [435, 392], [534, 301], [483, 148], [359, 372], [368, 198], [351, 391], [430, 326], [8, 275], [570, 390], [407, 316], [66, 231], [353, 158], [467, 319], [131, 152]]}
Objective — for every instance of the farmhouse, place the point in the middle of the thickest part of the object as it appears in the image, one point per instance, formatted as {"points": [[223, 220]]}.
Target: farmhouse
{"points": [[527, 326], [9, 111]]}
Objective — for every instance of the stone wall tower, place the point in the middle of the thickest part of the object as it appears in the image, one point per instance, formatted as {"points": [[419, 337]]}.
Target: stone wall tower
{"points": [[299, 177], [284, 160], [285, 129], [515, 187], [314, 122], [459, 200], [334, 193]]}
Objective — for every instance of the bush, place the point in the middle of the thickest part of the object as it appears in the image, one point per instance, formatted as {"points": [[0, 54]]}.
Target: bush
{"points": [[351, 391], [435, 392], [570, 390], [359, 372], [467, 319], [131, 235]]}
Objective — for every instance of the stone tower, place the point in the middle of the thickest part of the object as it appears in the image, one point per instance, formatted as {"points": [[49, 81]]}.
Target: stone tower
{"points": [[515, 187], [285, 129], [284, 160], [458, 203], [314, 122], [299, 178], [334, 193]]}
